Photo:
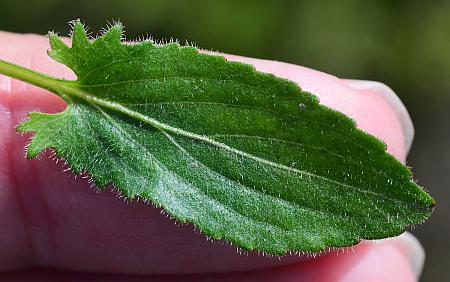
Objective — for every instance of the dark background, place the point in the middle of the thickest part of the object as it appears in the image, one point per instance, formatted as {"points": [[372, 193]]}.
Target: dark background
{"points": [[405, 44]]}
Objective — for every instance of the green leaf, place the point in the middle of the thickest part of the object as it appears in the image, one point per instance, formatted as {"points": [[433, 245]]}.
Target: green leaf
{"points": [[243, 155]]}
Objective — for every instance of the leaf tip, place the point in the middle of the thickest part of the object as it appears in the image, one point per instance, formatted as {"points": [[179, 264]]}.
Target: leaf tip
{"points": [[431, 201], [79, 34], [114, 33], [23, 126], [56, 44]]}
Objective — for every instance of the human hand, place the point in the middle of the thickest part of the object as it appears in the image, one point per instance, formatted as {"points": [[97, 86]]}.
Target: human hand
{"points": [[53, 222]]}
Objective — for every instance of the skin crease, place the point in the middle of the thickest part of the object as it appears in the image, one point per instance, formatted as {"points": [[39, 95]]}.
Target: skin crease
{"points": [[51, 220]]}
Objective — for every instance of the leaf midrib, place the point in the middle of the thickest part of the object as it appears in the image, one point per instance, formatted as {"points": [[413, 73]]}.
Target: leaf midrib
{"points": [[184, 151], [263, 223], [70, 89]]}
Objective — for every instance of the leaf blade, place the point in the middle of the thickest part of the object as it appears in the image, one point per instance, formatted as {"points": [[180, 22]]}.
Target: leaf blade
{"points": [[219, 144]]}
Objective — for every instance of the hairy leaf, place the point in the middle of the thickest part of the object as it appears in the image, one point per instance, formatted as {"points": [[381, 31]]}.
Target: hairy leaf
{"points": [[243, 155]]}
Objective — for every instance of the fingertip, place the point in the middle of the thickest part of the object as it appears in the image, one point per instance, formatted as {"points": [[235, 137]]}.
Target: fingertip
{"points": [[385, 92], [382, 260], [413, 250], [386, 260]]}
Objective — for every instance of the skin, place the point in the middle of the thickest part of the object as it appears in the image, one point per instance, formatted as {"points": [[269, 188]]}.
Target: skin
{"points": [[55, 227]]}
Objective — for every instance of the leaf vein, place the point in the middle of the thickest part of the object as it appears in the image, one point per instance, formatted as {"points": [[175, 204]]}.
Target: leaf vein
{"points": [[162, 166]]}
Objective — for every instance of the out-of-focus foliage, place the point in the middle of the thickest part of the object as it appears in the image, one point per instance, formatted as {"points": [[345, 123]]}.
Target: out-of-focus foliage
{"points": [[405, 44]]}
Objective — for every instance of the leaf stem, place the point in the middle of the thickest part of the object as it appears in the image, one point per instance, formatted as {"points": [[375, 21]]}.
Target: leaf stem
{"points": [[32, 77]]}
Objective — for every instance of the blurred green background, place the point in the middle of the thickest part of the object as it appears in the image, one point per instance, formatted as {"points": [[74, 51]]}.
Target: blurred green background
{"points": [[405, 44]]}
